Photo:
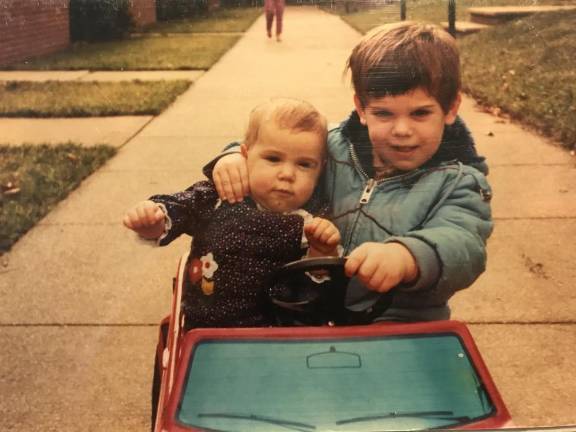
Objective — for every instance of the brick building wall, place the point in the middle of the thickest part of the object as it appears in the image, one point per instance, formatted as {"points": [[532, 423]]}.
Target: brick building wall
{"points": [[143, 12], [32, 27]]}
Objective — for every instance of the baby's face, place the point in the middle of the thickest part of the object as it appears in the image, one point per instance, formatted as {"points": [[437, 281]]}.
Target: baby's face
{"points": [[283, 167], [405, 130]]}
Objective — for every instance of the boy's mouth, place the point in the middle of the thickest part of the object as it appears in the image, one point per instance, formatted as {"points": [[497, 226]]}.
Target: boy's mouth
{"points": [[404, 149]]}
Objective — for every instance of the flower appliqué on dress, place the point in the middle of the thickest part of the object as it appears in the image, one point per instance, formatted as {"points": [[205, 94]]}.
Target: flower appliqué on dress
{"points": [[209, 267]]}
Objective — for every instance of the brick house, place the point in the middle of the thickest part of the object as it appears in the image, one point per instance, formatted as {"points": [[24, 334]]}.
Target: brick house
{"points": [[30, 28]]}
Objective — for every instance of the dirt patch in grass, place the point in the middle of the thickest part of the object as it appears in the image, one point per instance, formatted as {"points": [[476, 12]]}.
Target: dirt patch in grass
{"points": [[84, 99], [33, 179], [221, 20], [528, 69], [186, 52]]}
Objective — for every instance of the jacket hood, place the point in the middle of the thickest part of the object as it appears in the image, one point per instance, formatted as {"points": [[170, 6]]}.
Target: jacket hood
{"points": [[457, 144]]}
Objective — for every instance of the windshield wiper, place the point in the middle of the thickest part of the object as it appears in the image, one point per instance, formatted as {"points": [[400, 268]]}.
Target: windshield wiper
{"points": [[303, 427], [440, 415]]}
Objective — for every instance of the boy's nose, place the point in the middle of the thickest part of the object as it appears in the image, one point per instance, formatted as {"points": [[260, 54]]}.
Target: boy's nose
{"points": [[402, 128]]}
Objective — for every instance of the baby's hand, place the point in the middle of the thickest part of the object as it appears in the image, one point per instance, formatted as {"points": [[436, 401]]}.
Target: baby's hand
{"points": [[147, 219], [323, 237], [382, 266], [230, 177]]}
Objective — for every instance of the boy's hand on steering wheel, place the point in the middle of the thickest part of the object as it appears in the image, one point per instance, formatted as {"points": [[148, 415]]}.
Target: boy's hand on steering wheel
{"points": [[382, 266], [147, 219], [230, 177], [323, 237]]}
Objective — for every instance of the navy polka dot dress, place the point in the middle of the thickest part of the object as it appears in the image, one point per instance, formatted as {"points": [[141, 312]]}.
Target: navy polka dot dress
{"points": [[235, 250]]}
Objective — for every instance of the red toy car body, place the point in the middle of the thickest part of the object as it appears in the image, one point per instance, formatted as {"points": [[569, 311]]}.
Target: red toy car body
{"points": [[353, 378]]}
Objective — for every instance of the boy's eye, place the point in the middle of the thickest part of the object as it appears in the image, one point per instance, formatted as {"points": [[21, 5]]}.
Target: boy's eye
{"points": [[306, 164], [382, 114], [272, 158], [421, 113]]}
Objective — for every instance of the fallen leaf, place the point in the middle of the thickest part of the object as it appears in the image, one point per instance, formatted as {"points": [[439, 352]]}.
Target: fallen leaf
{"points": [[12, 191], [537, 268]]}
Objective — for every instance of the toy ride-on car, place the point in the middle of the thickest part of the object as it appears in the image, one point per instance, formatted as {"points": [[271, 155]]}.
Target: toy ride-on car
{"points": [[321, 378]]}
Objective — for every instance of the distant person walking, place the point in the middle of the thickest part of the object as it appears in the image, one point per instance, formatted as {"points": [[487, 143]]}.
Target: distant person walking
{"points": [[274, 8]]}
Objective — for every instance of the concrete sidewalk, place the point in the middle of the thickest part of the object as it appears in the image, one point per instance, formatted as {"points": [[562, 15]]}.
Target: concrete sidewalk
{"points": [[81, 298]]}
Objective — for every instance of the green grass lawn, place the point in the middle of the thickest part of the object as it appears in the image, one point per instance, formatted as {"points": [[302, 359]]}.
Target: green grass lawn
{"points": [[528, 69], [185, 48], [184, 52], [86, 99], [221, 20], [33, 179], [434, 11]]}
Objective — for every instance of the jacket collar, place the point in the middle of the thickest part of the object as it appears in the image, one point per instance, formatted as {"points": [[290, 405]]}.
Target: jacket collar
{"points": [[457, 144]]}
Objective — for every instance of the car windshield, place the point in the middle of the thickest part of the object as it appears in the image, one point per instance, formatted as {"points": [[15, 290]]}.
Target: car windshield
{"points": [[368, 384]]}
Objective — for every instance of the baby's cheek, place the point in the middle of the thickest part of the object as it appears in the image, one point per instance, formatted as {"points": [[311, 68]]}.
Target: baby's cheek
{"points": [[257, 182], [306, 189]]}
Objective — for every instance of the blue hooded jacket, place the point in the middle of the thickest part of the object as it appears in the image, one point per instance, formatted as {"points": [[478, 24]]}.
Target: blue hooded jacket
{"points": [[440, 212]]}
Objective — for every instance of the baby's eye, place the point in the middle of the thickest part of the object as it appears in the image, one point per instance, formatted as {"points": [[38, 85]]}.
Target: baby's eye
{"points": [[306, 164], [272, 158]]}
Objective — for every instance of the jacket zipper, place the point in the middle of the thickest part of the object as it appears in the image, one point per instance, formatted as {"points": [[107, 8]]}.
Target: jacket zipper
{"points": [[367, 193], [364, 198]]}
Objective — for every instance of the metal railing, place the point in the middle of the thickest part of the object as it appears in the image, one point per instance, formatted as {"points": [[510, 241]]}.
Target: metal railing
{"points": [[451, 15], [350, 6]]}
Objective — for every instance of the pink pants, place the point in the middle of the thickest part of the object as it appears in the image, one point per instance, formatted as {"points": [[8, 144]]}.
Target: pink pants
{"points": [[274, 8]]}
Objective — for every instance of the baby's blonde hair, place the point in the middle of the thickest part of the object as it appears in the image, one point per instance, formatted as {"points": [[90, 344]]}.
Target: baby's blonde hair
{"points": [[286, 113], [394, 59]]}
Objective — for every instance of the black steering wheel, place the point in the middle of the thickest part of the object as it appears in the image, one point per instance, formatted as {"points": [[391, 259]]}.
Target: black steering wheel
{"points": [[300, 297]]}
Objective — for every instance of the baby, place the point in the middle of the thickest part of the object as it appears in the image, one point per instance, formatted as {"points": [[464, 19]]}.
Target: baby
{"points": [[237, 246]]}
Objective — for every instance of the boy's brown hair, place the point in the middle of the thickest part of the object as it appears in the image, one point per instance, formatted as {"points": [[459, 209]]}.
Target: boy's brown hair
{"points": [[396, 58], [286, 113]]}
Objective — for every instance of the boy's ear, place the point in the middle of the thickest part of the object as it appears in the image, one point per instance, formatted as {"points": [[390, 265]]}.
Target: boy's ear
{"points": [[450, 116], [359, 109], [244, 150]]}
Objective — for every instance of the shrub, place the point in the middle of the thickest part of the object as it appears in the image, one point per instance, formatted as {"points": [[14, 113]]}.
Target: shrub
{"points": [[176, 9], [99, 20]]}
